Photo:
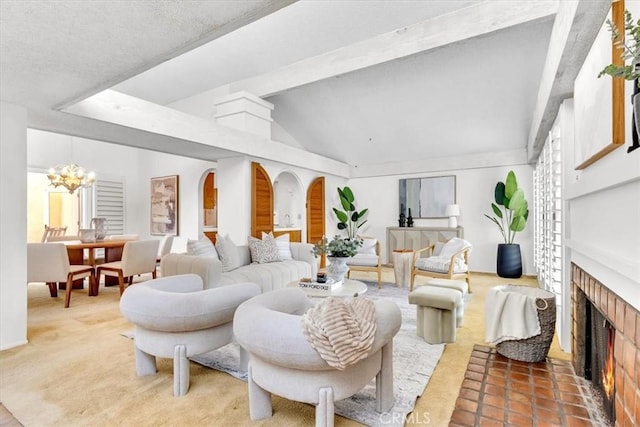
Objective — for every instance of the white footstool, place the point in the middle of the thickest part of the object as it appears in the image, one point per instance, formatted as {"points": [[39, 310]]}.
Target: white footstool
{"points": [[436, 308], [458, 285]]}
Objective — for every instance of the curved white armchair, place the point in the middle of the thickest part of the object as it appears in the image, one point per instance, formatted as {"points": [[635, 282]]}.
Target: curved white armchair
{"points": [[282, 361], [176, 318]]}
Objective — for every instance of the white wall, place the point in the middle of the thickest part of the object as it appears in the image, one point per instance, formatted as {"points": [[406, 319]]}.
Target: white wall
{"points": [[603, 207], [475, 192], [191, 174], [108, 161], [13, 226]]}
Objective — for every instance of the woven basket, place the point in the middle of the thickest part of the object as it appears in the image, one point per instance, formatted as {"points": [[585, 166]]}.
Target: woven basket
{"points": [[534, 349]]}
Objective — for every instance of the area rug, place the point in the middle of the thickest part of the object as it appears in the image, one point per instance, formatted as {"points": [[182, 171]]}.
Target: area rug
{"points": [[413, 363]]}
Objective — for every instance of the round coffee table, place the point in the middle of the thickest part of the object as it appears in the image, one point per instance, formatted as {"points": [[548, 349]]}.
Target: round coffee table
{"points": [[349, 288]]}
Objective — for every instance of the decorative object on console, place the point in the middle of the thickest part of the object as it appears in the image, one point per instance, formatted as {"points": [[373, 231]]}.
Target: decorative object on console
{"points": [[409, 219], [164, 205], [71, 177], [402, 220], [452, 212], [513, 220]]}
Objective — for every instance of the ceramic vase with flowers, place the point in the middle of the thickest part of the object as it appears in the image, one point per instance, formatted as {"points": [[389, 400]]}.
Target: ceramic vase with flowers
{"points": [[338, 251]]}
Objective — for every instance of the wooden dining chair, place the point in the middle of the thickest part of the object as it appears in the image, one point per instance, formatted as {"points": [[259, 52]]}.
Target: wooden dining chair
{"points": [[52, 232], [138, 257], [49, 263]]}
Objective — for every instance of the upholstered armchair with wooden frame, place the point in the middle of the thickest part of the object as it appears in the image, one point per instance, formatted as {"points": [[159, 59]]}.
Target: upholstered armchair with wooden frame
{"points": [[138, 257], [49, 263], [444, 261], [367, 259]]}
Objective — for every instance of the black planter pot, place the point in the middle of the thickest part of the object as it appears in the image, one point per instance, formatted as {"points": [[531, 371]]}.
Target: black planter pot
{"points": [[509, 263]]}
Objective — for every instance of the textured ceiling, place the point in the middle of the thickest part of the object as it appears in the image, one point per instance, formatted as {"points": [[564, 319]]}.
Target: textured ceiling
{"points": [[472, 96]]}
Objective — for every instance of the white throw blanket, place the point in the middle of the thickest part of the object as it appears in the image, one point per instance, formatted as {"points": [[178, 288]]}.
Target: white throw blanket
{"points": [[509, 316], [341, 330]]}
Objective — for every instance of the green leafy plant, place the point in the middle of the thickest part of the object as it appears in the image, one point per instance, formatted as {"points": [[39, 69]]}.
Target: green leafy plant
{"points": [[350, 219], [630, 47], [510, 208], [338, 247]]}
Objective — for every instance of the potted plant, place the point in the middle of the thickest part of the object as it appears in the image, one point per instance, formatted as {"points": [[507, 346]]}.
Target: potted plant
{"points": [[511, 212], [629, 69], [340, 249], [350, 219]]}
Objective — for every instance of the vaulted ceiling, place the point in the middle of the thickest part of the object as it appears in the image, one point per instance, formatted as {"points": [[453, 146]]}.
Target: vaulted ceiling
{"points": [[364, 83]]}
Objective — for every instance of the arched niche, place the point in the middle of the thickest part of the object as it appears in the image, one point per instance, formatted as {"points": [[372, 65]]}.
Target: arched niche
{"points": [[288, 202], [208, 205]]}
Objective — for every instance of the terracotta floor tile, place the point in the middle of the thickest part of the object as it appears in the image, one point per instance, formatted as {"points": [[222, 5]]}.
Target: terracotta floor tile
{"points": [[520, 407], [518, 420], [467, 405], [515, 393]]}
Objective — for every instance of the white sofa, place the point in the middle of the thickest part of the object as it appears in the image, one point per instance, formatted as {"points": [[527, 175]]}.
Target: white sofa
{"points": [[269, 276]]}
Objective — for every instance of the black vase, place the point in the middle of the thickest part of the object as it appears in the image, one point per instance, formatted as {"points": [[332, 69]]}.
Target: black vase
{"points": [[509, 263]]}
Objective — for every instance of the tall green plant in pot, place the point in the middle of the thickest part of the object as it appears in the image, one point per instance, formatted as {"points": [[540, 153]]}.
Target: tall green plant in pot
{"points": [[349, 220], [511, 212], [339, 250]]}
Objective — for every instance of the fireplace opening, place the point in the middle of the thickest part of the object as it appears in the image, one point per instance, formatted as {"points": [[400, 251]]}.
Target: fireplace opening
{"points": [[599, 360]]}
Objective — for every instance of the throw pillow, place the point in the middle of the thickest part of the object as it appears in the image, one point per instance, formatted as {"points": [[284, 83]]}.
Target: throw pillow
{"points": [[263, 251], [368, 246], [228, 253], [284, 246], [438, 248], [203, 247]]}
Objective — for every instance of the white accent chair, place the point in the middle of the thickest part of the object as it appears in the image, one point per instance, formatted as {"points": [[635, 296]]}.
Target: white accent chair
{"points": [[138, 257], [367, 259], [176, 318], [49, 263], [283, 362], [448, 261]]}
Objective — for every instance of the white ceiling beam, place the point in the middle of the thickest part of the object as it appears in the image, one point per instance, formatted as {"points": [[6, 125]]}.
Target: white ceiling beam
{"points": [[574, 31], [474, 21], [124, 110]]}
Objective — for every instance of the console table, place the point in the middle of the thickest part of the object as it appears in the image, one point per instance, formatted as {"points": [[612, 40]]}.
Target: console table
{"points": [[414, 238]]}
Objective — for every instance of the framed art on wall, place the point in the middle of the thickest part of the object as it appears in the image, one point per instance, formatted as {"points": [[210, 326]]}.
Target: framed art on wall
{"points": [[427, 197], [599, 102], [164, 205]]}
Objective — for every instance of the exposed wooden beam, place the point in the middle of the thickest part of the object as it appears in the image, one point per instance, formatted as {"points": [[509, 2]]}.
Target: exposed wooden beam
{"points": [[474, 21], [574, 31]]}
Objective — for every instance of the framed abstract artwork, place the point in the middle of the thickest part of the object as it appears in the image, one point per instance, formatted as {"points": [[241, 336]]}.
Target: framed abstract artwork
{"points": [[164, 205], [427, 197]]}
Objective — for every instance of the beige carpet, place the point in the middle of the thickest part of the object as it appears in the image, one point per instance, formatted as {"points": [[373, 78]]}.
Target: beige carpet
{"points": [[78, 370]]}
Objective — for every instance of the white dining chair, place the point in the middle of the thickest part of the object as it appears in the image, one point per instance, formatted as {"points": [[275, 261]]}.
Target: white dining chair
{"points": [[49, 263], [138, 257], [52, 232]]}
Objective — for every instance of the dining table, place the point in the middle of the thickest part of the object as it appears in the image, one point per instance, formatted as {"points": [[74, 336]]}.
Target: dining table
{"points": [[112, 252]]}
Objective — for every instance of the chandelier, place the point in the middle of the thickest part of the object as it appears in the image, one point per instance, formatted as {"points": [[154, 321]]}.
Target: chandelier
{"points": [[71, 177]]}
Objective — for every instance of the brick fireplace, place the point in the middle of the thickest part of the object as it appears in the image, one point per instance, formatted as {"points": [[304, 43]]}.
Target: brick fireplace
{"points": [[624, 321]]}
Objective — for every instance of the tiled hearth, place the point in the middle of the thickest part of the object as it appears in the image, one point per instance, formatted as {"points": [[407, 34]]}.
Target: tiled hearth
{"points": [[625, 319], [498, 391]]}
